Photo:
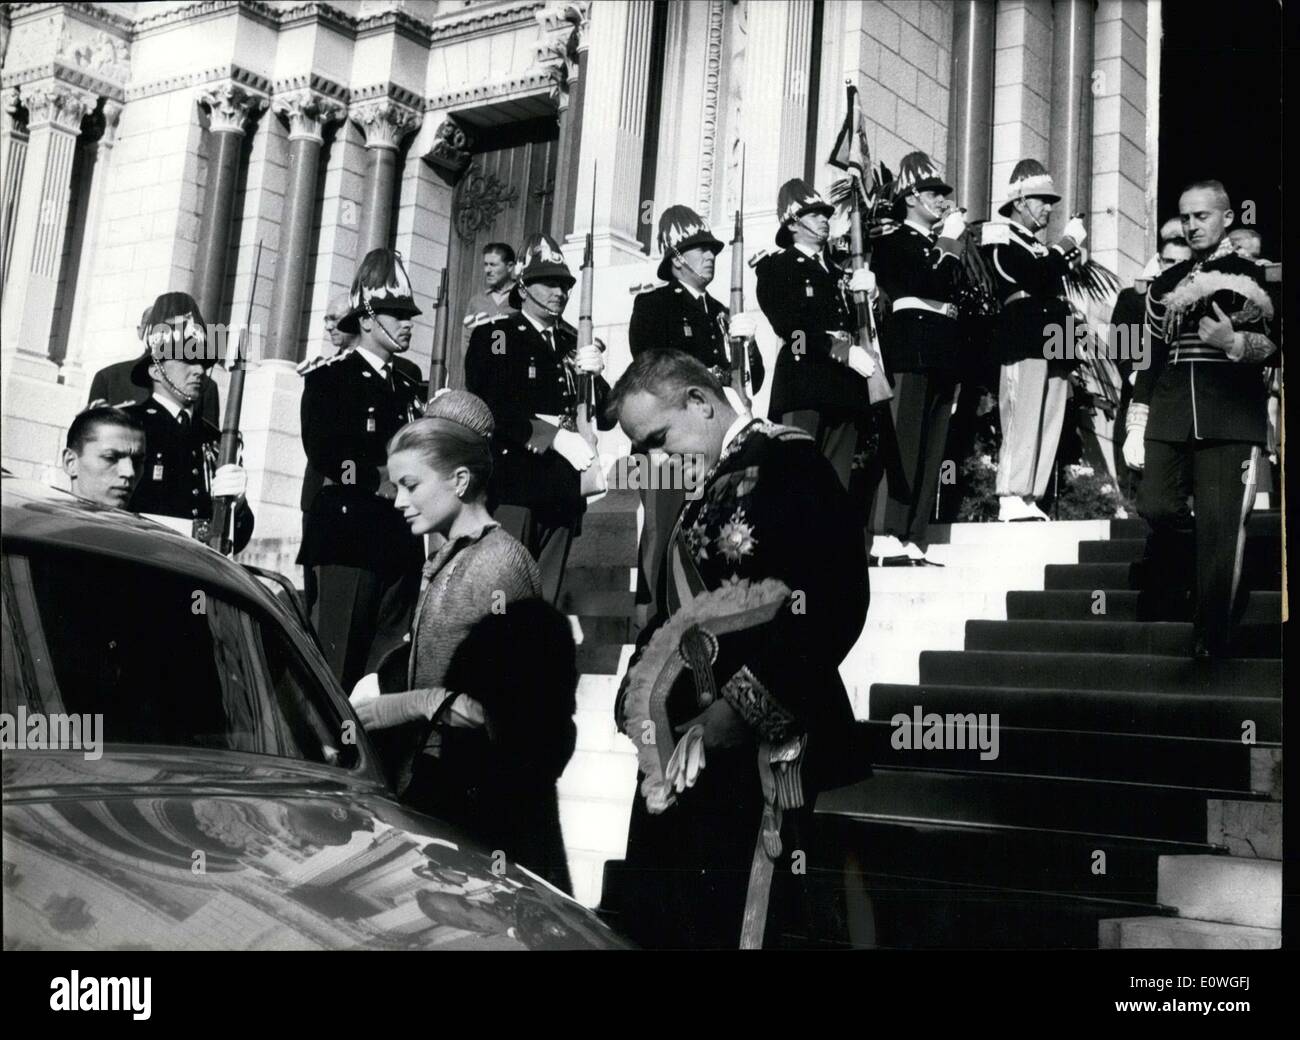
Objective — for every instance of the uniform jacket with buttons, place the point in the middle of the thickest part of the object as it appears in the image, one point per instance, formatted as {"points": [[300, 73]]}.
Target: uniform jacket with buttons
{"points": [[1195, 390], [671, 318], [803, 302], [520, 377], [1021, 263], [909, 263], [349, 413], [178, 467], [113, 384]]}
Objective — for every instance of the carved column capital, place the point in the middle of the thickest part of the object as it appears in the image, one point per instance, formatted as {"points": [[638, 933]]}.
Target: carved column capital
{"points": [[230, 106], [9, 102], [385, 122], [564, 26], [453, 148], [56, 104], [308, 113]]}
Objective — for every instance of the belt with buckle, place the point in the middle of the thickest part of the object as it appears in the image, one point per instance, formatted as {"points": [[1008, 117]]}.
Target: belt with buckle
{"points": [[920, 303]]}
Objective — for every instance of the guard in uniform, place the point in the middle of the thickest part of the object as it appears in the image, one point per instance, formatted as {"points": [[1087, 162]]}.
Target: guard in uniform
{"points": [[1033, 390], [681, 315], [820, 381], [180, 474], [527, 367], [921, 272], [364, 560], [1199, 418]]}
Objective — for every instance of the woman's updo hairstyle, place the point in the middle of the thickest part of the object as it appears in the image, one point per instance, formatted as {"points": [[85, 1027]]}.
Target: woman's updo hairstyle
{"points": [[456, 431]]}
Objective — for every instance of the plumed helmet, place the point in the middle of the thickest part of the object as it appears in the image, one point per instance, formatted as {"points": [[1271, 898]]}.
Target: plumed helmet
{"points": [[917, 172], [1029, 179], [174, 330], [381, 285], [680, 229], [795, 199], [541, 257]]}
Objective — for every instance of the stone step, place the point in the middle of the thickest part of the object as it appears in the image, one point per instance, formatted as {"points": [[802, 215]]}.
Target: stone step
{"points": [[1260, 572], [1100, 711], [1096, 671], [1226, 889], [1180, 933], [993, 557], [598, 578], [1250, 829], [1266, 772], [1127, 550], [942, 603], [611, 603], [1262, 521], [1080, 604], [956, 578], [1054, 533], [602, 630], [1110, 637], [599, 658]]}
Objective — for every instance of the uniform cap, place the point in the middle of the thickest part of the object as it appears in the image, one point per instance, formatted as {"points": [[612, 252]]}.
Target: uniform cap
{"points": [[1029, 179], [917, 172], [161, 344], [541, 257], [680, 229], [795, 199], [381, 285]]}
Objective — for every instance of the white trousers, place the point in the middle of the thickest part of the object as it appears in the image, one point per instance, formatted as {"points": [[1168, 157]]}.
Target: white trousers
{"points": [[1031, 402]]}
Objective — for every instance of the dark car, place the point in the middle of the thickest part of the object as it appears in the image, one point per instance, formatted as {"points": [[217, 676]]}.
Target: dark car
{"points": [[181, 770]]}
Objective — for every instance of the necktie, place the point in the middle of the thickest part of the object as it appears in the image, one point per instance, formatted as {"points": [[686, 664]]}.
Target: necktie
{"points": [[387, 373], [183, 417]]}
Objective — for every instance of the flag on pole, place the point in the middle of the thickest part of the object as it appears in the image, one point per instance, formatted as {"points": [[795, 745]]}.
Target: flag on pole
{"points": [[851, 152]]}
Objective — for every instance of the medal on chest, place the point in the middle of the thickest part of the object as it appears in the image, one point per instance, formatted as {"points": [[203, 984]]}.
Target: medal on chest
{"points": [[532, 368], [157, 471], [370, 421], [808, 290], [687, 331]]}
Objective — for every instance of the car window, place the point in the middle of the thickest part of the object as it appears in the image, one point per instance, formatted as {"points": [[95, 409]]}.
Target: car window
{"points": [[163, 658]]}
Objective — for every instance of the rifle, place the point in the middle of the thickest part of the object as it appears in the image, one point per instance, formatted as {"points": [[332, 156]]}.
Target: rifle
{"points": [[438, 363], [878, 388], [593, 478], [223, 506], [738, 346]]}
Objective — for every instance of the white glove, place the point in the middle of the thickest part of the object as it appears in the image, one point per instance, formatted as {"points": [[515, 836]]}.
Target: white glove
{"points": [[229, 481], [861, 361], [744, 325], [590, 359], [366, 689], [686, 761], [862, 280], [576, 451], [1074, 229], [1135, 448], [954, 225]]}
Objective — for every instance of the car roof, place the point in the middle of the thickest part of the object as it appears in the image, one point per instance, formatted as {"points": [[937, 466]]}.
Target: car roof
{"points": [[35, 514]]}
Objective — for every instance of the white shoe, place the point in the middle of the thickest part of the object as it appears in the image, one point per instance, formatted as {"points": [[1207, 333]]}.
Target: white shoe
{"points": [[1033, 512], [1011, 507], [885, 545]]}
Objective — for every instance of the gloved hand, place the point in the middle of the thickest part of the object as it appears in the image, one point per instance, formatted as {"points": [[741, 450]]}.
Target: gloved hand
{"points": [[1135, 452], [1075, 230], [744, 325], [590, 359], [366, 689], [954, 225], [230, 481], [862, 280], [575, 451], [686, 761], [861, 361], [396, 709]]}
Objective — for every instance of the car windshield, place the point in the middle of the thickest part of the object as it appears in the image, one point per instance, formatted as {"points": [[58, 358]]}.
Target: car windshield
{"points": [[162, 658]]}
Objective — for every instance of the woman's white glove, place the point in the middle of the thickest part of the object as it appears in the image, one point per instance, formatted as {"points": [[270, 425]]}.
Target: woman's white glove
{"points": [[862, 280], [590, 359], [743, 325], [1075, 230], [575, 451], [953, 226], [229, 481]]}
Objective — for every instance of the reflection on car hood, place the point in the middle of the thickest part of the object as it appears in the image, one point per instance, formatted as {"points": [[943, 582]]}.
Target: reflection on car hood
{"points": [[142, 851]]}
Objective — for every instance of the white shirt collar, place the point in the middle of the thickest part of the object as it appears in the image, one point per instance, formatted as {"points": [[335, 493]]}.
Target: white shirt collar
{"points": [[373, 359], [173, 409], [697, 293], [535, 323], [809, 251], [927, 232]]}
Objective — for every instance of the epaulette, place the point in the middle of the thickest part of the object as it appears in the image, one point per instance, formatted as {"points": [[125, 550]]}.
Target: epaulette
{"points": [[320, 361], [488, 319], [995, 233], [784, 433], [471, 320], [763, 254], [884, 227], [645, 287]]}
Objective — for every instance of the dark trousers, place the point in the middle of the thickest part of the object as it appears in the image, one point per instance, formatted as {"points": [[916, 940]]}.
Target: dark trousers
{"points": [[921, 408], [360, 615], [1197, 551], [548, 545], [837, 441]]}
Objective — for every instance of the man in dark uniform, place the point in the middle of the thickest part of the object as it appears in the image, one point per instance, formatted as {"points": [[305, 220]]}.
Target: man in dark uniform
{"points": [[181, 476], [113, 384], [780, 705], [921, 273], [681, 315], [527, 367], [1199, 416], [365, 562], [1033, 389], [820, 381]]}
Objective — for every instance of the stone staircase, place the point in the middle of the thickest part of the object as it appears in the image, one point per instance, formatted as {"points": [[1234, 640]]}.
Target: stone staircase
{"points": [[1122, 809]]}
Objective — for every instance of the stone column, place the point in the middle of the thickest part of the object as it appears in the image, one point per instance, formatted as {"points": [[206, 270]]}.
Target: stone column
{"points": [[563, 49], [13, 153], [385, 123], [230, 107], [307, 114], [55, 111], [970, 106], [1070, 141]]}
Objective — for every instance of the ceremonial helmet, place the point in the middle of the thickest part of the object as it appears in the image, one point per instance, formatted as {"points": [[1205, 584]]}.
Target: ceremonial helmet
{"points": [[381, 285], [918, 172], [1029, 179], [680, 229], [161, 330], [541, 257], [795, 199]]}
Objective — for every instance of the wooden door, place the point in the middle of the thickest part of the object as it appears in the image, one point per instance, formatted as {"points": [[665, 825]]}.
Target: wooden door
{"points": [[506, 194]]}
